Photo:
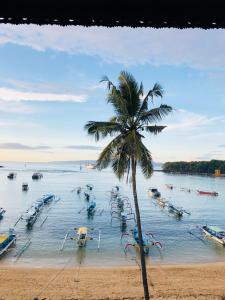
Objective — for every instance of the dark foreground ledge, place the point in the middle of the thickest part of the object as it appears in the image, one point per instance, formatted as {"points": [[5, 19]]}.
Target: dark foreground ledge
{"points": [[143, 13]]}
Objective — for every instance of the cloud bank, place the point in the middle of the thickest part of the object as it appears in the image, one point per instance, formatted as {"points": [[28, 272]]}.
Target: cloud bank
{"points": [[196, 48], [8, 94]]}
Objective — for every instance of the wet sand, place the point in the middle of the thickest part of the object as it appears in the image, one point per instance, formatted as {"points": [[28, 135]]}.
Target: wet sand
{"points": [[205, 281]]}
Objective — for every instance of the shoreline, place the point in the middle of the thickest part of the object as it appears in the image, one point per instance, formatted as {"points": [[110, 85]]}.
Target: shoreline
{"points": [[186, 281]]}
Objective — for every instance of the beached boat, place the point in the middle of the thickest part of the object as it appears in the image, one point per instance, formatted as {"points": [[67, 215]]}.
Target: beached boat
{"points": [[25, 187], [6, 240], [215, 233], [37, 175], [207, 193], [11, 175], [169, 186], [153, 192], [2, 211]]}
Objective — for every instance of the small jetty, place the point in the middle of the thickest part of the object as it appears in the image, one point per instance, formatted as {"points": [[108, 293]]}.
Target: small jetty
{"points": [[37, 175]]}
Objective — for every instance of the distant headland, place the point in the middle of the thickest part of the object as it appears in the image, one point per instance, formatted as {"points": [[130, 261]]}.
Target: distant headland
{"points": [[212, 167]]}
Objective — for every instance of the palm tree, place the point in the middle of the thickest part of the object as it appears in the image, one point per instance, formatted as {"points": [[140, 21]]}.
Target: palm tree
{"points": [[126, 150]]}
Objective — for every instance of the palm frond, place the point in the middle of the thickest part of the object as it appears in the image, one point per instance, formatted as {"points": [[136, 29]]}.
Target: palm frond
{"points": [[129, 91], [155, 114], [154, 129], [108, 153], [102, 129]]}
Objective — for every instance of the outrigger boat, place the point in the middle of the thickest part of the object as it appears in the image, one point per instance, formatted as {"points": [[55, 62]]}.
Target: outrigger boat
{"points": [[91, 207], [89, 187], [169, 186], [81, 237], [207, 193], [132, 240], [2, 211], [215, 233], [25, 187], [32, 214], [153, 192], [37, 176], [175, 210], [12, 175], [6, 240]]}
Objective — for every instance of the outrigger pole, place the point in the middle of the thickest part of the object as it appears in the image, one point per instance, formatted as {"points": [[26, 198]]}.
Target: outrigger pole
{"points": [[22, 249], [99, 239], [64, 240]]}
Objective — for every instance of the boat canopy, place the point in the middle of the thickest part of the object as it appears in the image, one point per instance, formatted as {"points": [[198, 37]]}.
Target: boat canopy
{"points": [[216, 229]]}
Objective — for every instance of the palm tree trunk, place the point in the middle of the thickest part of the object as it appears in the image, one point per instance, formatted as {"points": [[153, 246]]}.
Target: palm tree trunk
{"points": [[143, 264]]}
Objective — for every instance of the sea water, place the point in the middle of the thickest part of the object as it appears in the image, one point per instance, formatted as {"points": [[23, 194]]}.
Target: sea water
{"points": [[46, 238]]}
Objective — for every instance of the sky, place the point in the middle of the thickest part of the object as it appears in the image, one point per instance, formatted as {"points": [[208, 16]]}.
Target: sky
{"points": [[50, 87]]}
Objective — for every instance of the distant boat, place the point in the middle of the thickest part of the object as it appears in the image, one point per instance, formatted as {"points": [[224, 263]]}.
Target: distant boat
{"points": [[25, 187], [89, 166], [11, 175], [207, 193], [169, 186], [37, 175]]}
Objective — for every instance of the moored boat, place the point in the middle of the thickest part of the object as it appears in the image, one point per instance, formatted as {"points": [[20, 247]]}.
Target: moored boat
{"points": [[6, 240], [2, 211], [207, 193], [215, 233], [175, 210], [37, 175], [25, 187], [11, 175], [169, 186], [153, 192]]}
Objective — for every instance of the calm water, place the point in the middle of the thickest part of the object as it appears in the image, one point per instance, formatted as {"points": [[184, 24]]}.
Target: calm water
{"points": [[178, 245]]}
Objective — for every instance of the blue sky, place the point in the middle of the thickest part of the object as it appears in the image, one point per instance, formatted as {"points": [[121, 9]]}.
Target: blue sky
{"points": [[49, 88]]}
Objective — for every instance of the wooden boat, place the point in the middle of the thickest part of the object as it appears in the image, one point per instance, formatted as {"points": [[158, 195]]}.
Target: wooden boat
{"points": [[161, 202], [25, 187], [2, 211], [215, 233], [153, 192], [207, 193], [6, 240], [37, 175], [91, 207], [169, 186], [11, 175], [175, 210], [132, 240]]}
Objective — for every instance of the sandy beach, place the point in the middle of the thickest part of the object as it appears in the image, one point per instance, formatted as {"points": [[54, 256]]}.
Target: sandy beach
{"points": [[166, 282]]}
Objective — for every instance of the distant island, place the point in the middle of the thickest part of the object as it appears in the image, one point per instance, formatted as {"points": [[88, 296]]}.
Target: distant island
{"points": [[212, 167]]}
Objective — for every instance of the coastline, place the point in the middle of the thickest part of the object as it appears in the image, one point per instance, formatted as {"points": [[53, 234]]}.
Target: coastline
{"points": [[191, 281]]}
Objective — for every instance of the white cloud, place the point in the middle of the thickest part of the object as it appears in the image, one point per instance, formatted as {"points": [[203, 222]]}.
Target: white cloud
{"points": [[193, 47], [7, 94], [186, 120]]}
